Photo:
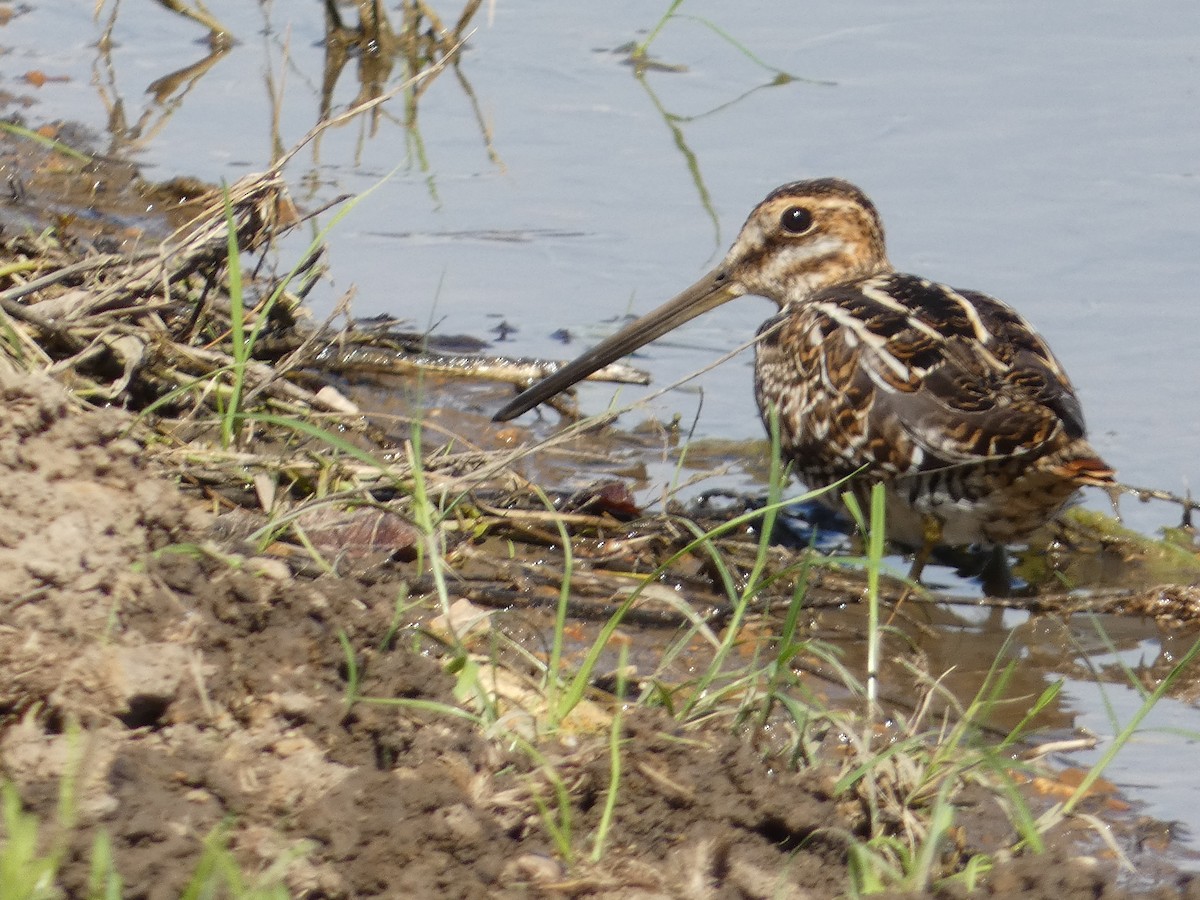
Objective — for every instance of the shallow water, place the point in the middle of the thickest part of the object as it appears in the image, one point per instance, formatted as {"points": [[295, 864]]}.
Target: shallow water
{"points": [[1044, 154]]}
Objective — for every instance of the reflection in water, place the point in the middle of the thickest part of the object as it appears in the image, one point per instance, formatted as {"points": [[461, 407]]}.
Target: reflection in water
{"points": [[642, 61], [168, 92], [421, 44], [638, 56], [676, 122], [218, 35]]}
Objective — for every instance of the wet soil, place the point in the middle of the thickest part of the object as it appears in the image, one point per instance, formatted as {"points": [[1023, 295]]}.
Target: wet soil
{"points": [[199, 692]]}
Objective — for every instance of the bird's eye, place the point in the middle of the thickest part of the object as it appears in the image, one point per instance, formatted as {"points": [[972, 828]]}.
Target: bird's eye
{"points": [[796, 220]]}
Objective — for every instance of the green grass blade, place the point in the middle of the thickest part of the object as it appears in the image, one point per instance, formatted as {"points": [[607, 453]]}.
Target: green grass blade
{"points": [[239, 347], [51, 143]]}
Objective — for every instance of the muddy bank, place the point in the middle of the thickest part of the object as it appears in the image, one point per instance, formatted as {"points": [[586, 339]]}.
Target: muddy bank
{"points": [[213, 691], [193, 693]]}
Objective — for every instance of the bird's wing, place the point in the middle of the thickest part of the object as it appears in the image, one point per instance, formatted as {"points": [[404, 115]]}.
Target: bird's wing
{"points": [[957, 376]]}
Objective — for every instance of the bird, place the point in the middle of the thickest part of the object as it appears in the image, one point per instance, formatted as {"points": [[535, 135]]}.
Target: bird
{"points": [[947, 397]]}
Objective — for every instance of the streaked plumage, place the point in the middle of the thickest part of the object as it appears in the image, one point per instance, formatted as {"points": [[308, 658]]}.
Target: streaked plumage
{"points": [[947, 396]]}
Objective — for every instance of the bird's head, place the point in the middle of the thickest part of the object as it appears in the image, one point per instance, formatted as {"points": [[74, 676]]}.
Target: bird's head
{"points": [[803, 237]]}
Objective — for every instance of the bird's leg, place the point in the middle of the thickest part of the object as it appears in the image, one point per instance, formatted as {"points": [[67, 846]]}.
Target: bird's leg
{"points": [[858, 544], [996, 574], [931, 536]]}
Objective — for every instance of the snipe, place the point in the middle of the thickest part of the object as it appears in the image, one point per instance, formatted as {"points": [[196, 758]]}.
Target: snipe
{"points": [[947, 397]]}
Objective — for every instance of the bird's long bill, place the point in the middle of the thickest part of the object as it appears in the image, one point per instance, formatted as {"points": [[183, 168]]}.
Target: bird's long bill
{"points": [[709, 292]]}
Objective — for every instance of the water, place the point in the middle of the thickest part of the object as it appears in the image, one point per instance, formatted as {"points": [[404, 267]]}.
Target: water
{"points": [[1045, 153]]}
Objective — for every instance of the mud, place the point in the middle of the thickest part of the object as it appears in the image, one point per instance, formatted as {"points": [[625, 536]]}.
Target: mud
{"points": [[192, 692]]}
